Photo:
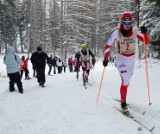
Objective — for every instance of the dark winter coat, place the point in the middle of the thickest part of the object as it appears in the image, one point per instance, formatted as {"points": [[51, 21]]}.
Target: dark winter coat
{"points": [[50, 60], [54, 62], [39, 59]]}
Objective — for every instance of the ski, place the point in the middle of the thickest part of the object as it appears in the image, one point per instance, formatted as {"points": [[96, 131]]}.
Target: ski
{"points": [[130, 116], [130, 107], [133, 117], [85, 84], [89, 83]]}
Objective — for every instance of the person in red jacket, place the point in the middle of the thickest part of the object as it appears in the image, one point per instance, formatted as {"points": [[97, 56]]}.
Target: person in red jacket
{"points": [[125, 37], [25, 68]]}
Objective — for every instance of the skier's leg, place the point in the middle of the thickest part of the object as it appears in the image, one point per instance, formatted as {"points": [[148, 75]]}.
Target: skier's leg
{"points": [[125, 67], [87, 66], [83, 74]]}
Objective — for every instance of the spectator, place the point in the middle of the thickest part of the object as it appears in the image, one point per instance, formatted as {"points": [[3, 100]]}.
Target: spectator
{"points": [[25, 68], [59, 65], [38, 59], [13, 62]]}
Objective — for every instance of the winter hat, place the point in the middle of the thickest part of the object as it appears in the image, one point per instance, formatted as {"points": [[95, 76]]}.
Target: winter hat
{"points": [[126, 16], [83, 45], [39, 49], [10, 49]]}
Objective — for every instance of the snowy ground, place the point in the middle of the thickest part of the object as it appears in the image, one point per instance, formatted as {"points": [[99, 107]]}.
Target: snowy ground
{"points": [[65, 107]]}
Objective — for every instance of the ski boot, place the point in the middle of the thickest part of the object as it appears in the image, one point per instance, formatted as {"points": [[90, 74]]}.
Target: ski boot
{"points": [[86, 79], [27, 78], [84, 82], [124, 107]]}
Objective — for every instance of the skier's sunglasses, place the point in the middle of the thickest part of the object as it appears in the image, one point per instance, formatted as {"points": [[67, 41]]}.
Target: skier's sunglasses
{"points": [[127, 22]]}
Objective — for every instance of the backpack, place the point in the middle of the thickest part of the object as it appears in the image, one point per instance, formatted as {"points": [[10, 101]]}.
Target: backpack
{"points": [[14, 56]]}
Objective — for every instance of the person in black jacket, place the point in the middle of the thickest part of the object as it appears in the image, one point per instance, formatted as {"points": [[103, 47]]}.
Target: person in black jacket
{"points": [[38, 60]]}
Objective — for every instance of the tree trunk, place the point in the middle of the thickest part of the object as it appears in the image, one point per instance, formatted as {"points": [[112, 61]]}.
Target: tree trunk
{"points": [[5, 34]]}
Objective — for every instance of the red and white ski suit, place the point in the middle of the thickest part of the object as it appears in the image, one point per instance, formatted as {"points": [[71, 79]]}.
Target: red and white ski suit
{"points": [[125, 58]]}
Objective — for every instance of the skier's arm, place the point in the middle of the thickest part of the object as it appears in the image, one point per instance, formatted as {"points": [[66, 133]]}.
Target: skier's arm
{"points": [[90, 53], [143, 36], [112, 38]]}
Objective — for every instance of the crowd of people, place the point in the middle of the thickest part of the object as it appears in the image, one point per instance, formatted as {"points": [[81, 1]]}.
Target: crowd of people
{"points": [[16, 67]]}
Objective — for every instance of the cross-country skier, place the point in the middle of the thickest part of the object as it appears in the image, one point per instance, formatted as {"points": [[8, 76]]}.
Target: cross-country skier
{"points": [[84, 57], [126, 37], [24, 68]]}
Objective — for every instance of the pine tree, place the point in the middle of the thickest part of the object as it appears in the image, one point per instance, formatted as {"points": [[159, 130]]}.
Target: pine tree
{"points": [[7, 3], [150, 12], [157, 2], [7, 22]]}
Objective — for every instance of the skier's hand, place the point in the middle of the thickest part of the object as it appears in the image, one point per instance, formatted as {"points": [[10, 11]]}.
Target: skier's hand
{"points": [[143, 29], [105, 62]]}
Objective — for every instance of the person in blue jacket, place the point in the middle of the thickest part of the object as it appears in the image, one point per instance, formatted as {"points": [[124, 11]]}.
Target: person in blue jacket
{"points": [[12, 62]]}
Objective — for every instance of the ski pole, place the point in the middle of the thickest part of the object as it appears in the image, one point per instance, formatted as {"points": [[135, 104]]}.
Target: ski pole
{"points": [[77, 70], [147, 75], [100, 86]]}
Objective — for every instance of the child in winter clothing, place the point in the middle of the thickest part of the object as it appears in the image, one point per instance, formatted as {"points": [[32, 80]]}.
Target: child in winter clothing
{"points": [[25, 68], [12, 62]]}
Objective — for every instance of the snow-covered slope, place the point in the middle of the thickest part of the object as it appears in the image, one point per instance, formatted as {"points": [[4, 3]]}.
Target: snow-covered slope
{"points": [[65, 107]]}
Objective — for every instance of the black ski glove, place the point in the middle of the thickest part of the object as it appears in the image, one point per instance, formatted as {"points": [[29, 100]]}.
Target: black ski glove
{"points": [[105, 62], [143, 29]]}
